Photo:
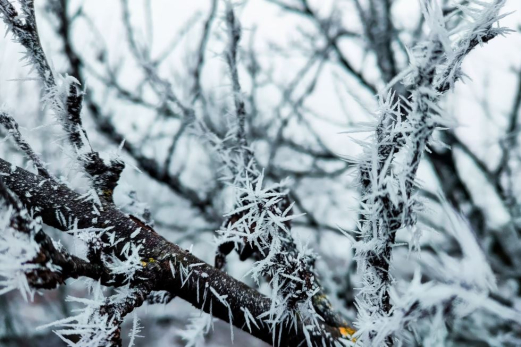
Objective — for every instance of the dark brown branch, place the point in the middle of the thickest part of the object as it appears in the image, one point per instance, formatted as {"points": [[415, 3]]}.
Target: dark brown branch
{"points": [[57, 203], [70, 266]]}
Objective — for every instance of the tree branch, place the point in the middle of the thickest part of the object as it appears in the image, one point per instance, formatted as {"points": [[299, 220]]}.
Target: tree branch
{"points": [[162, 259]]}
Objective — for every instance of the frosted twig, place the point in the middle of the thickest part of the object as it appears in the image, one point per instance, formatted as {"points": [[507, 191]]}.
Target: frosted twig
{"points": [[12, 127]]}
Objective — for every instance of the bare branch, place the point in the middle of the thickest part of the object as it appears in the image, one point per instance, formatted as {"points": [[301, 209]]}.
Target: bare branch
{"points": [[12, 127]]}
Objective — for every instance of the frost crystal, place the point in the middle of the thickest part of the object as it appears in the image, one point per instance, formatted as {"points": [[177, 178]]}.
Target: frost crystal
{"points": [[17, 250]]}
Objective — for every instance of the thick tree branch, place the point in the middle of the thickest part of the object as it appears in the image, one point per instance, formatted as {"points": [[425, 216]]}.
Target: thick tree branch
{"points": [[43, 275], [162, 259]]}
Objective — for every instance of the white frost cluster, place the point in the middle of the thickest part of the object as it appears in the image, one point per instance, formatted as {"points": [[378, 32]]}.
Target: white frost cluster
{"points": [[193, 334], [98, 320], [130, 264], [259, 222], [17, 249], [93, 328]]}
